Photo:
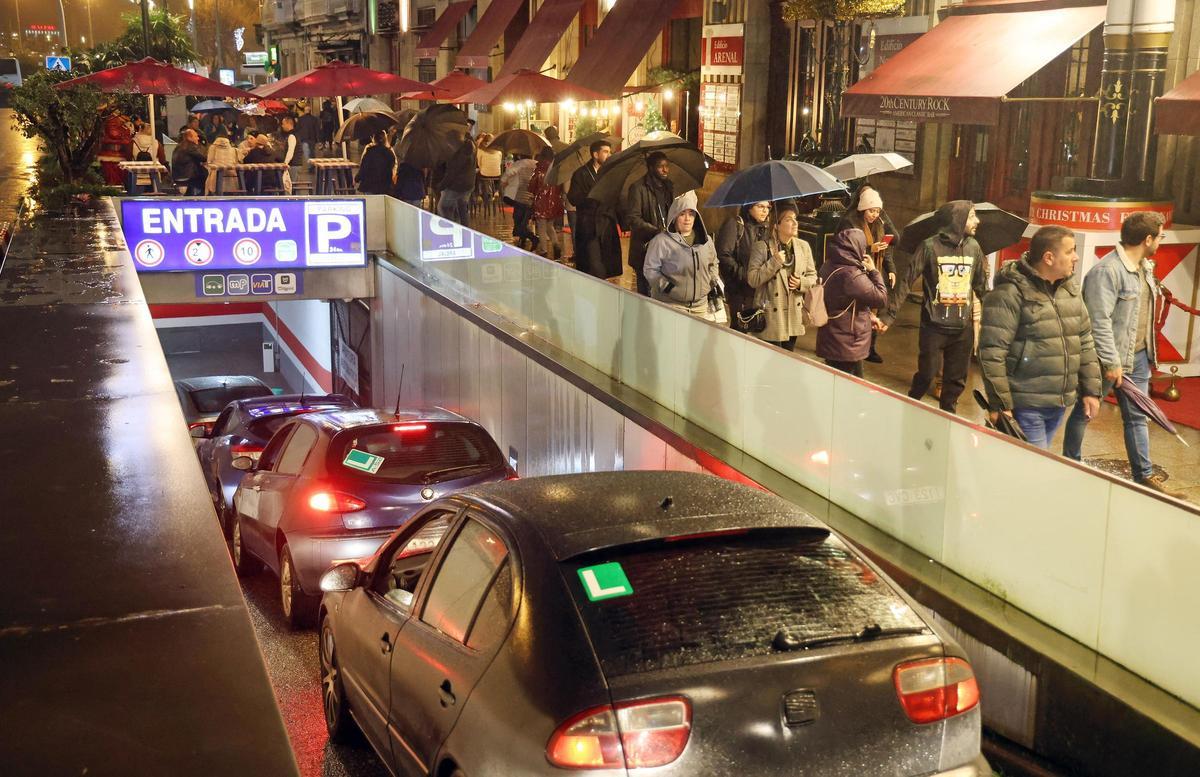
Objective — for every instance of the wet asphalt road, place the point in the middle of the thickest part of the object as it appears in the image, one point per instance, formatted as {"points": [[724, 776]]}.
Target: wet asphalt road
{"points": [[292, 663], [17, 154]]}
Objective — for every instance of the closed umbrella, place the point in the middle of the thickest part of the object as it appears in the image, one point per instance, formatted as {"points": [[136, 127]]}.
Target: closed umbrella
{"points": [[1148, 406], [361, 126], [211, 106], [771, 181], [997, 229], [689, 165], [527, 86], [862, 165], [519, 141], [453, 85], [365, 105], [1004, 424], [573, 157], [432, 136]]}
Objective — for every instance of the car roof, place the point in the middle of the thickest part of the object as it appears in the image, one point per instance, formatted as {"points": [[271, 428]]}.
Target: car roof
{"points": [[293, 399], [575, 514], [217, 381], [334, 421]]}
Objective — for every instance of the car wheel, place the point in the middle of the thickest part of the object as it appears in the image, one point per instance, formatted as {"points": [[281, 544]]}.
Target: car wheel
{"points": [[243, 563], [338, 722], [297, 606]]}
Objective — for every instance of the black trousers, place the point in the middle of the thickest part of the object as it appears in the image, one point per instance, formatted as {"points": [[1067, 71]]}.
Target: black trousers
{"points": [[790, 345], [952, 350], [853, 368], [643, 285]]}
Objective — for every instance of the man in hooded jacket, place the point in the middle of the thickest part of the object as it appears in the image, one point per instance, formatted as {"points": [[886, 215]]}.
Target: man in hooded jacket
{"points": [[645, 210], [952, 267]]}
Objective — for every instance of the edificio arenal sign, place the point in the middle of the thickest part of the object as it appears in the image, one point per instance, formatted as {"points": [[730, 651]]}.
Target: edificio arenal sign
{"points": [[167, 235]]}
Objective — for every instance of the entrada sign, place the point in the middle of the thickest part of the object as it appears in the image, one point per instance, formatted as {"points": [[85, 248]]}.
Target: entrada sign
{"points": [[241, 234]]}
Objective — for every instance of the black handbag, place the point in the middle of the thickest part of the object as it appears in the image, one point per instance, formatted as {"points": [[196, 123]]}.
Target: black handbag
{"points": [[751, 319]]}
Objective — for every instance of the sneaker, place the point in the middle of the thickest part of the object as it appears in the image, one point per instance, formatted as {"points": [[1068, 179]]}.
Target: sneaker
{"points": [[1158, 483]]}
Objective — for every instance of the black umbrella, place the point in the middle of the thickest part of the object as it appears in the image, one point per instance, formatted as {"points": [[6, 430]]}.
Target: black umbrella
{"points": [[997, 229], [1005, 424], [1149, 407], [771, 181], [432, 136], [361, 126], [689, 165], [403, 117], [573, 157], [519, 141]]}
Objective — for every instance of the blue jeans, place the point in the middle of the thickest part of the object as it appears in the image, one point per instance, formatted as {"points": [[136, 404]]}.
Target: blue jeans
{"points": [[455, 206], [1039, 423], [1137, 435]]}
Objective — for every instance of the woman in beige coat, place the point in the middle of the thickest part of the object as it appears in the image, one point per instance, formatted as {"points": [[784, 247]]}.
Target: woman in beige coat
{"points": [[781, 270], [221, 152]]}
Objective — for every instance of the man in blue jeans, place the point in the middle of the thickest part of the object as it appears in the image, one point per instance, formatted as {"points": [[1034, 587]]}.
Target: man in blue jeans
{"points": [[1035, 342], [1122, 296]]}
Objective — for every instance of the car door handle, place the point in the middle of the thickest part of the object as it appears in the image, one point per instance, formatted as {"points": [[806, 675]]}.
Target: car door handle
{"points": [[385, 643], [446, 694]]}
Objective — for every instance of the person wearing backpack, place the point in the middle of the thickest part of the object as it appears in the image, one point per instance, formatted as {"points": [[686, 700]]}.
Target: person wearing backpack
{"points": [[735, 245], [143, 148], [852, 286]]}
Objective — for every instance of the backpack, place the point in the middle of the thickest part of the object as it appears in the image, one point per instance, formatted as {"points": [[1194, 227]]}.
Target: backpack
{"points": [[814, 303], [143, 154]]}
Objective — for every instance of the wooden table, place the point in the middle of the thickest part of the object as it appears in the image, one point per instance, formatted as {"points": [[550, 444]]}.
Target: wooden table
{"points": [[242, 168], [134, 169], [335, 175]]}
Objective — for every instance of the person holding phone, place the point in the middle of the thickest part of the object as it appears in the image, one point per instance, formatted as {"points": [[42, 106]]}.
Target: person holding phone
{"points": [[781, 271], [853, 287], [866, 213]]}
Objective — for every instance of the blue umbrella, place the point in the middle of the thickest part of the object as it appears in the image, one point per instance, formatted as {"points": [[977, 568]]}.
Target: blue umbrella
{"points": [[211, 106], [773, 180]]}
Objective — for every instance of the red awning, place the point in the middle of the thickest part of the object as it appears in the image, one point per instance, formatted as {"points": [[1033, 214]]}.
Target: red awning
{"points": [[1178, 111], [540, 37], [620, 43], [476, 52], [435, 36], [961, 70]]}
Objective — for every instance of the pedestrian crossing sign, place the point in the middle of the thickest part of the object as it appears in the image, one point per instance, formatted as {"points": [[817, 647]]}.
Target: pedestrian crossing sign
{"points": [[59, 63]]}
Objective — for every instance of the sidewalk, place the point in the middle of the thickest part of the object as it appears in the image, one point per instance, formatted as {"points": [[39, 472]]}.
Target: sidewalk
{"points": [[1103, 447]]}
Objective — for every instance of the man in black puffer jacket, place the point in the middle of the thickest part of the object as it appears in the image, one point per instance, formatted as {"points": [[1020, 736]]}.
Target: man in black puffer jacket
{"points": [[1035, 346]]}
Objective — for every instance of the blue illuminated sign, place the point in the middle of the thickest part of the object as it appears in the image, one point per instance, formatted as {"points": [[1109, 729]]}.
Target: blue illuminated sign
{"points": [[167, 235]]}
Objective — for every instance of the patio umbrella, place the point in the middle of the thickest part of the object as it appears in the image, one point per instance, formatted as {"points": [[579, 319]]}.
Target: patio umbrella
{"points": [[1149, 407], [997, 229], [862, 165], [519, 141], [1004, 424], [773, 180], [573, 157], [361, 126], [366, 105], [150, 77], [455, 83], [211, 106], [264, 107], [432, 136], [527, 86], [689, 165]]}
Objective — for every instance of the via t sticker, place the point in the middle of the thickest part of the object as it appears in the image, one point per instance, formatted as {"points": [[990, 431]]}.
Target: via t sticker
{"points": [[363, 461], [605, 581]]}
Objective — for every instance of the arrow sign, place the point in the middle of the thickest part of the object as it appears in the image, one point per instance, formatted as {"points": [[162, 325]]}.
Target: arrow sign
{"points": [[61, 64]]}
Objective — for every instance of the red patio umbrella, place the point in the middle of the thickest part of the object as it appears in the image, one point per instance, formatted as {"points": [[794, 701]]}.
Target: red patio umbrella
{"points": [[528, 86], [150, 77], [456, 83], [339, 79]]}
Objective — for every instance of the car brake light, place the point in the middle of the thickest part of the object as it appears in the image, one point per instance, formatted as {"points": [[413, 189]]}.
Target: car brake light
{"points": [[648, 732], [335, 502], [409, 428], [935, 689], [246, 449], [207, 426]]}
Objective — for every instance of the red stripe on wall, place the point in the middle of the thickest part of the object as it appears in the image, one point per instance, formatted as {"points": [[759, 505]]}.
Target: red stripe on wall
{"points": [[197, 311], [323, 376]]}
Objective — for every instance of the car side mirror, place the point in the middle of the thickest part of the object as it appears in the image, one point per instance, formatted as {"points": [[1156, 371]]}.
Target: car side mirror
{"points": [[341, 577], [198, 431], [244, 463]]}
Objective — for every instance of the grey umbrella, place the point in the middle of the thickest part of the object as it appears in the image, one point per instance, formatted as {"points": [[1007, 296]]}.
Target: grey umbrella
{"points": [[771, 181]]}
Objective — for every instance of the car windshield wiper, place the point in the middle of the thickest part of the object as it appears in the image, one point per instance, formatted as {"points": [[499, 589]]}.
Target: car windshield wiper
{"points": [[430, 476], [784, 641]]}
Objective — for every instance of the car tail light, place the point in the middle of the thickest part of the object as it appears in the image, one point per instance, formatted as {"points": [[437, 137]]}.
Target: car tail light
{"points": [[649, 732], [207, 426], [409, 428], [335, 502], [935, 689], [245, 448]]}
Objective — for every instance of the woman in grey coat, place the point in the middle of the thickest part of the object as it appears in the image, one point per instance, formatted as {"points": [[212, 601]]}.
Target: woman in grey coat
{"points": [[781, 271], [681, 263]]}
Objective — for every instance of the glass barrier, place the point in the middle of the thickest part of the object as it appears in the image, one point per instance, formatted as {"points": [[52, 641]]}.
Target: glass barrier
{"points": [[1087, 554]]}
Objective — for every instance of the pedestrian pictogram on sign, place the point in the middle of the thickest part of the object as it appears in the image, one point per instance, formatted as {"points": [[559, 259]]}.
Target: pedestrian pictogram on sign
{"points": [[61, 64], [605, 581]]}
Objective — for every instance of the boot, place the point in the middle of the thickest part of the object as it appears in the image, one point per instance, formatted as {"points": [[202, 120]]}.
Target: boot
{"points": [[1157, 483]]}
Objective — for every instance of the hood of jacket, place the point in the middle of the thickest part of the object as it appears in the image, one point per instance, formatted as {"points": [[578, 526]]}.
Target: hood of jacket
{"points": [[847, 249], [1022, 275], [686, 201], [953, 219], [221, 142]]}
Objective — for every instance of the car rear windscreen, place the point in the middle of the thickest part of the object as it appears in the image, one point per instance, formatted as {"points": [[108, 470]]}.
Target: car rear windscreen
{"points": [[415, 453], [665, 604], [214, 400]]}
